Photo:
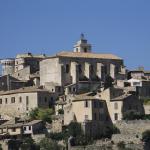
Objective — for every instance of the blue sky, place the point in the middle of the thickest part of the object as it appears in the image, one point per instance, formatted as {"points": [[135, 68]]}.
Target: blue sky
{"points": [[49, 26]]}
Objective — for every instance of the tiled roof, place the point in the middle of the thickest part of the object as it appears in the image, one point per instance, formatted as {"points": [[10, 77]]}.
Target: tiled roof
{"points": [[23, 90], [82, 97], [32, 122], [122, 97], [88, 55], [29, 55]]}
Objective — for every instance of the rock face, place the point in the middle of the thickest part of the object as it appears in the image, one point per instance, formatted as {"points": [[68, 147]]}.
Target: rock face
{"points": [[131, 131]]}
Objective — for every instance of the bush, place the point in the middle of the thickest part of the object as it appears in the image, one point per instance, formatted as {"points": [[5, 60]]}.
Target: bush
{"points": [[146, 136], [47, 144], [60, 111], [132, 115], [74, 129], [41, 114]]}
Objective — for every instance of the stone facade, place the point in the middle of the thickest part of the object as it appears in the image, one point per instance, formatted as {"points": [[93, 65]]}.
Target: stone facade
{"points": [[131, 131], [20, 102], [66, 68], [119, 102]]}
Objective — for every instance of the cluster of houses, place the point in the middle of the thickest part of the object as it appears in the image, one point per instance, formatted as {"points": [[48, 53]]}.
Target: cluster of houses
{"points": [[93, 89]]}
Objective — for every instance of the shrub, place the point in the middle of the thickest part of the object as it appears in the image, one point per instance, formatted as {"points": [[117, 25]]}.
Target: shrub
{"points": [[146, 136], [41, 114], [60, 111], [47, 144], [132, 115]]}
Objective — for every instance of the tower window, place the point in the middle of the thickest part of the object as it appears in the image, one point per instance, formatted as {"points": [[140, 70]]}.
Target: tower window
{"points": [[85, 49]]}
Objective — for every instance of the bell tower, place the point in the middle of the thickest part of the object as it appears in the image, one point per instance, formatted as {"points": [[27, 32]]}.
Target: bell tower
{"points": [[82, 46]]}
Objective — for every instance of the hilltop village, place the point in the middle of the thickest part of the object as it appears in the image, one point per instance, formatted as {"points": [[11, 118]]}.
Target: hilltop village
{"points": [[96, 91]]}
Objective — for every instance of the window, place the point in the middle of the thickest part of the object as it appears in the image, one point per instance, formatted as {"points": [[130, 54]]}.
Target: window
{"points": [[116, 105], [24, 128], [67, 68], [45, 99], [85, 49], [6, 101], [116, 116], [95, 104], [12, 99], [76, 49], [13, 129], [86, 104], [86, 117], [29, 127], [20, 99], [27, 100], [74, 89], [0, 101], [95, 116]]}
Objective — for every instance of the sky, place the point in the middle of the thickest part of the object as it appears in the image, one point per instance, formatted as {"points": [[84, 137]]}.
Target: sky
{"points": [[120, 27]]}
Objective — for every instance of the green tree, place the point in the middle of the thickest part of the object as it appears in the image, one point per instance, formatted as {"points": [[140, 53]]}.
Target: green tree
{"points": [[47, 144], [28, 144], [132, 115], [74, 129], [41, 114], [146, 136]]}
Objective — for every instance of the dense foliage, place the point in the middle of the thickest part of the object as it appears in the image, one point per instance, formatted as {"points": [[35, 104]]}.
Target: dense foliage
{"points": [[48, 144], [41, 114], [146, 136]]}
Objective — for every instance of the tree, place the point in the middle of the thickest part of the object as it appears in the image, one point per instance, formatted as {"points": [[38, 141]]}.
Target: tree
{"points": [[47, 144], [41, 114], [28, 144], [146, 136], [132, 115], [74, 129]]}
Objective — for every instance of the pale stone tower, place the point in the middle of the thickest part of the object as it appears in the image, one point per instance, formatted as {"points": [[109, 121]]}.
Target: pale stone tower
{"points": [[82, 45], [8, 66]]}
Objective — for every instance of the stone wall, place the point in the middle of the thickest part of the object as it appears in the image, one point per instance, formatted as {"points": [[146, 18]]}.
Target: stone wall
{"points": [[131, 131]]}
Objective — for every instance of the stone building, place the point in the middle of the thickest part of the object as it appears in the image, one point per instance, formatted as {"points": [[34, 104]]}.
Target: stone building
{"points": [[19, 102], [80, 67], [8, 82], [22, 66], [119, 102], [88, 110]]}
